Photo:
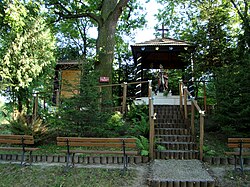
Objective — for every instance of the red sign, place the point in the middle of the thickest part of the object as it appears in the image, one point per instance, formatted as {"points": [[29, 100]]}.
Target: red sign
{"points": [[104, 79]]}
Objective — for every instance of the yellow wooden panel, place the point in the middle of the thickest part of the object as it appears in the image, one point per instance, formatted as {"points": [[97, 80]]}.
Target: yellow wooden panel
{"points": [[70, 83]]}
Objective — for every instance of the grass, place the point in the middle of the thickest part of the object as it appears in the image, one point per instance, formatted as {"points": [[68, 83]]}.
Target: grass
{"points": [[215, 144], [13, 175], [236, 179]]}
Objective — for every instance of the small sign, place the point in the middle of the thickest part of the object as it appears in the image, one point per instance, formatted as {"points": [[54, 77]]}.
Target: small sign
{"points": [[104, 79]]}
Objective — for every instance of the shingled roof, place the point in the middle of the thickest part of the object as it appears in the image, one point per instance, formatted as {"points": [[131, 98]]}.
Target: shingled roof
{"points": [[163, 42]]}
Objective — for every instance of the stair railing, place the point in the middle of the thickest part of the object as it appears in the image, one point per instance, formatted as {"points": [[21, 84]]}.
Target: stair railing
{"points": [[151, 120], [184, 94]]}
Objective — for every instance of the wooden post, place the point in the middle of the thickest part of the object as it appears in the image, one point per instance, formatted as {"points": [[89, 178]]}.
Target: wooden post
{"points": [[185, 102], [205, 95], [100, 97], [192, 117], [57, 97], [35, 107], [151, 121], [124, 97], [202, 115], [181, 94]]}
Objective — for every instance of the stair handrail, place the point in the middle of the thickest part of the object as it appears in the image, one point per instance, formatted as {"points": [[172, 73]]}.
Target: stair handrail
{"points": [[151, 120], [184, 94], [124, 85]]}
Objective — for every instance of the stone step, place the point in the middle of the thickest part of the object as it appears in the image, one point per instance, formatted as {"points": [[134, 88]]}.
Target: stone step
{"points": [[176, 154], [172, 131], [178, 145], [175, 138]]}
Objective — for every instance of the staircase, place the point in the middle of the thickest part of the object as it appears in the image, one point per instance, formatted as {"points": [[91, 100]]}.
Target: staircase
{"points": [[172, 133]]}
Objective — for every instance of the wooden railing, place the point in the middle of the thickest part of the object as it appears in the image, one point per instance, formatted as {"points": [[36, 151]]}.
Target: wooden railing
{"points": [[122, 108], [124, 85], [184, 94], [151, 121], [150, 106]]}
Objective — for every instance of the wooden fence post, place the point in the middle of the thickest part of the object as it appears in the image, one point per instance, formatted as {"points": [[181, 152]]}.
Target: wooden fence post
{"points": [[35, 107], [124, 97], [205, 96], [192, 117], [151, 121], [202, 115], [185, 102], [57, 97], [181, 95]]}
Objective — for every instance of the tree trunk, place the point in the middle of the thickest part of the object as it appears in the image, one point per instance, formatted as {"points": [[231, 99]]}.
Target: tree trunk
{"points": [[111, 11]]}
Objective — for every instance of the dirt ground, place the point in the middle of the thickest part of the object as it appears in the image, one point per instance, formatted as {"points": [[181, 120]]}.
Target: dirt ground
{"points": [[224, 175]]}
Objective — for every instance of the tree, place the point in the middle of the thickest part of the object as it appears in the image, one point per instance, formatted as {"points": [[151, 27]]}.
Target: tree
{"points": [[222, 49], [105, 15], [27, 49]]}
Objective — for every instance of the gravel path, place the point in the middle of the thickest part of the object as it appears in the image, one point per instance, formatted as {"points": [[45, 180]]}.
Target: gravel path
{"points": [[181, 170]]}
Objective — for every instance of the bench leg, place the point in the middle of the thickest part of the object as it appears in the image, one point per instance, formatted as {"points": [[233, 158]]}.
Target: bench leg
{"points": [[22, 159], [68, 160], [73, 159], [30, 158], [125, 163], [241, 164], [235, 162]]}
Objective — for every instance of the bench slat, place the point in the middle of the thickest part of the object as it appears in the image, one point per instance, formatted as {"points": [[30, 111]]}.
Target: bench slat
{"points": [[19, 148], [101, 152], [237, 153], [26, 137], [15, 141], [237, 145], [238, 140], [89, 144], [96, 140]]}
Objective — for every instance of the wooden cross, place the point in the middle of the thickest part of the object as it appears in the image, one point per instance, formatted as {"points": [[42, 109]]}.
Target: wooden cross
{"points": [[163, 29]]}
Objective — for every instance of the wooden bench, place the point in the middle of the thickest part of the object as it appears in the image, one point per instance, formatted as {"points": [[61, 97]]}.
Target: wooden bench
{"points": [[240, 144], [23, 140], [122, 143]]}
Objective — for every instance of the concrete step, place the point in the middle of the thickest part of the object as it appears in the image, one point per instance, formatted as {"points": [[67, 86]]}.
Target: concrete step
{"points": [[179, 173]]}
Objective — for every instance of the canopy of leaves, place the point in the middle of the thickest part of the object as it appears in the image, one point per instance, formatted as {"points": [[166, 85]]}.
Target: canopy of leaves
{"points": [[27, 45], [220, 30]]}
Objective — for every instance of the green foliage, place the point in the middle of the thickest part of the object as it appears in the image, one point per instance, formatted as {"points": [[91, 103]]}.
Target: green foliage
{"points": [[115, 120], [27, 52], [160, 147], [143, 144], [208, 151], [26, 47], [137, 117], [140, 127], [81, 115], [23, 125]]}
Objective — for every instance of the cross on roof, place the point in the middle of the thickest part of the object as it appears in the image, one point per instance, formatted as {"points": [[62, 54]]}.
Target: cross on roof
{"points": [[163, 29]]}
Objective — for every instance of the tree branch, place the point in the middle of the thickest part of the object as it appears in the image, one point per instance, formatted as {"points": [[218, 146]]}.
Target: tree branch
{"points": [[238, 10]]}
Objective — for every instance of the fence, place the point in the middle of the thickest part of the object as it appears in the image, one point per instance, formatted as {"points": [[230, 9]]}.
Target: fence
{"points": [[184, 94]]}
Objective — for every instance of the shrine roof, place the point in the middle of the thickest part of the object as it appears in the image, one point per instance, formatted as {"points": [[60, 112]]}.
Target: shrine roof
{"points": [[163, 42], [63, 62]]}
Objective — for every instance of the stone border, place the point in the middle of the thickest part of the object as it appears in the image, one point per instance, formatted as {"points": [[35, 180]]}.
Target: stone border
{"points": [[77, 159], [112, 159], [224, 160]]}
